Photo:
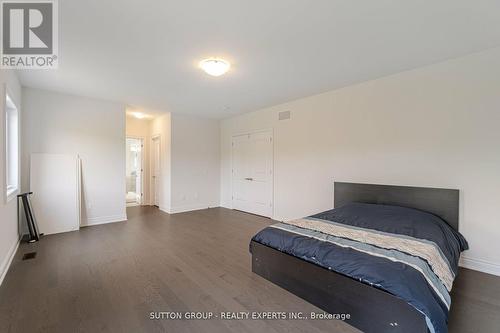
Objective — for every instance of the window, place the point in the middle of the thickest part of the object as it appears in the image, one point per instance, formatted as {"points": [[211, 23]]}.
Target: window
{"points": [[11, 148]]}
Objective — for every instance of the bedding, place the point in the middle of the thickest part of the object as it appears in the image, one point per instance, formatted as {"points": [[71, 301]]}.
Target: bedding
{"points": [[406, 252]]}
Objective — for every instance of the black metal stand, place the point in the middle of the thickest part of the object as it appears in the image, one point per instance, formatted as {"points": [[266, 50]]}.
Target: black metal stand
{"points": [[30, 217]]}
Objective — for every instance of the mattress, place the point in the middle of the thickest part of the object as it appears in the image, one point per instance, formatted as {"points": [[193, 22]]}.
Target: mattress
{"points": [[406, 252]]}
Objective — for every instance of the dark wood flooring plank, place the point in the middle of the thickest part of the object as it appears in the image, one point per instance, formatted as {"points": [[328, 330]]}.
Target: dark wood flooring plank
{"points": [[108, 278]]}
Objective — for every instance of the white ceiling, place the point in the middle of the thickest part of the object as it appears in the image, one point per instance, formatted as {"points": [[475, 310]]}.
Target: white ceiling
{"points": [[145, 53]]}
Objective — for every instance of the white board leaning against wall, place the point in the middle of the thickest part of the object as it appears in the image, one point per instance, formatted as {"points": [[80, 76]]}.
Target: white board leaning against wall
{"points": [[56, 183]]}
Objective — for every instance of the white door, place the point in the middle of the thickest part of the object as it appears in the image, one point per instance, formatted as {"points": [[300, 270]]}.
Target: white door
{"points": [[155, 173], [253, 173], [140, 170]]}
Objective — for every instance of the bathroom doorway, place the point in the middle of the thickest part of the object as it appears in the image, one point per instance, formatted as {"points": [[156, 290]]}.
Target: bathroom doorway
{"points": [[134, 171]]}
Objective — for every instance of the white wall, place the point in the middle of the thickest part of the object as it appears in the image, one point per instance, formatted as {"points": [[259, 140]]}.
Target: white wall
{"points": [[190, 162], [435, 126], [141, 128], [9, 234], [93, 129], [195, 163], [161, 126]]}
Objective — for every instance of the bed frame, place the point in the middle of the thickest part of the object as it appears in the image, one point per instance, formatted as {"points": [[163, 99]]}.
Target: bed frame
{"points": [[370, 309]]}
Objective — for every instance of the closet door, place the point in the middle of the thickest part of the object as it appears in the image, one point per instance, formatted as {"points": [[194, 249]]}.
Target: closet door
{"points": [[252, 173]]}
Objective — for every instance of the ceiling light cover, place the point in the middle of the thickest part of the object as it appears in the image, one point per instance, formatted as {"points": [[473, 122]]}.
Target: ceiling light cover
{"points": [[138, 115], [215, 67]]}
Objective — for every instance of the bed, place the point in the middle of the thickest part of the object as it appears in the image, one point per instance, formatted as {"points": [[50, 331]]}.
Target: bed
{"points": [[359, 259]]}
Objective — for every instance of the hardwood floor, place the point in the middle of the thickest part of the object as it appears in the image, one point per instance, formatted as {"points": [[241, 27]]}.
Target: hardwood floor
{"points": [[109, 278]]}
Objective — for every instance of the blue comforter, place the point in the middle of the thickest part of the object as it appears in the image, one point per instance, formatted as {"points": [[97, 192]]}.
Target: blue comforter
{"points": [[408, 253]]}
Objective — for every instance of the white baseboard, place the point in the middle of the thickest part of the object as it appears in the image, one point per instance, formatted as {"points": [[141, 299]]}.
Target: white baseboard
{"points": [[104, 219], [164, 209], [8, 260], [227, 205], [480, 265], [189, 208]]}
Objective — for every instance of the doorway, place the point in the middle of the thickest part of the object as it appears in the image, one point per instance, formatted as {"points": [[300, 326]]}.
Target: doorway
{"points": [[155, 170], [134, 171], [252, 173]]}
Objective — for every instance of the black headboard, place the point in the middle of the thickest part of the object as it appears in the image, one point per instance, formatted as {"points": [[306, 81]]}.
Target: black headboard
{"points": [[438, 201]]}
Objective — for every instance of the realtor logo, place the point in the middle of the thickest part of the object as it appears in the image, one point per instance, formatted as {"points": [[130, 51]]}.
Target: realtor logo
{"points": [[29, 34]]}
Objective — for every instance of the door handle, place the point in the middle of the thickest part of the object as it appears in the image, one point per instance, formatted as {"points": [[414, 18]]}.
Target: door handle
{"points": [[249, 179]]}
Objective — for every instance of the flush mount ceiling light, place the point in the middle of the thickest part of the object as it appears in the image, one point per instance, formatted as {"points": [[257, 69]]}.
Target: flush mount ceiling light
{"points": [[215, 66], [138, 115]]}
